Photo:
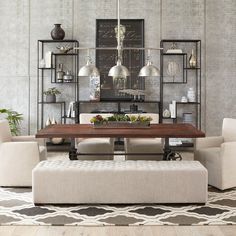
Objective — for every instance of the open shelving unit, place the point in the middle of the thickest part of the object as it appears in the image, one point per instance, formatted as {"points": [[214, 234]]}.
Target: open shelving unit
{"points": [[189, 76], [46, 76]]}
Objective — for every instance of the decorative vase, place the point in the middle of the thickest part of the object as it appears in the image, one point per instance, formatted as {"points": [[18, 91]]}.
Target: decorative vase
{"points": [[48, 122], [166, 113], [191, 95], [57, 33], [68, 77], [53, 122], [192, 60], [51, 98]]}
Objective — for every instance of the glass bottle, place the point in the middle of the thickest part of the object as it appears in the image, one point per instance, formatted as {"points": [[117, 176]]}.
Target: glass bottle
{"points": [[60, 73]]}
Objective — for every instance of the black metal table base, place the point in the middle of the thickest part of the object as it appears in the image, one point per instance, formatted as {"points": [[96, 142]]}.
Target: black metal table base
{"points": [[73, 151], [73, 154], [170, 155]]}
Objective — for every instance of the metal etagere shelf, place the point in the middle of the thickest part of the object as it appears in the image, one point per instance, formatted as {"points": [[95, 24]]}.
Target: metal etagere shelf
{"points": [[189, 75], [44, 72]]}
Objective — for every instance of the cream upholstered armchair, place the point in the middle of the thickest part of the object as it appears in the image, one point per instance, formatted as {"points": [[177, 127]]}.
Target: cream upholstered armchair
{"points": [[218, 155], [94, 145], [144, 145], [18, 156]]}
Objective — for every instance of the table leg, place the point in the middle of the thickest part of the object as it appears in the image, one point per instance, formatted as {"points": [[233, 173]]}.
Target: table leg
{"points": [[73, 150], [170, 155]]}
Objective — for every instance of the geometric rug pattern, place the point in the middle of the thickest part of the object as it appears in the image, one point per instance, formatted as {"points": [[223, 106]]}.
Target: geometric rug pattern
{"points": [[16, 208]]}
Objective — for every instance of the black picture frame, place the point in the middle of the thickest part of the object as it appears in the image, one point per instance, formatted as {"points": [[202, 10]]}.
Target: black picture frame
{"points": [[132, 59]]}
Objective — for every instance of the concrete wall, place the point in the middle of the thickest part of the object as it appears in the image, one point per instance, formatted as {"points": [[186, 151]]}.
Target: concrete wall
{"points": [[23, 22]]}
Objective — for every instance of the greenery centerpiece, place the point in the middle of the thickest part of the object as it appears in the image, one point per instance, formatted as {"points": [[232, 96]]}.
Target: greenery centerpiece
{"points": [[14, 118], [121, 120], [51, 94]]}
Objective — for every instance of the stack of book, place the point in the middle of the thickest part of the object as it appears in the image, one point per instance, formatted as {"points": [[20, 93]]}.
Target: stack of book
{"points": [[188, 117], [71, 110]]}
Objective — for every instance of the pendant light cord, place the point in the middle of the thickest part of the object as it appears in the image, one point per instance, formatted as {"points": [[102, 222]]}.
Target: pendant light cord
{"points": [[118, 29]]}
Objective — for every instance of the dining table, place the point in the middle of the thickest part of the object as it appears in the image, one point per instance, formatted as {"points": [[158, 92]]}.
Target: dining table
{"points": [[165, 131]]}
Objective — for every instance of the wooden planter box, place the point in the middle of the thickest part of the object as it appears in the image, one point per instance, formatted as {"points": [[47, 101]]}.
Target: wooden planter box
{"points": [[122, 124]]}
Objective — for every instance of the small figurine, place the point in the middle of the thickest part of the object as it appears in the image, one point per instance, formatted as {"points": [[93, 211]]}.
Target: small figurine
{"points": [[64, 49]]}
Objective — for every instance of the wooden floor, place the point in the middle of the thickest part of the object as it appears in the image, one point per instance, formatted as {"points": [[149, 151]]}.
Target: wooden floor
{"points": [[118, 231]]}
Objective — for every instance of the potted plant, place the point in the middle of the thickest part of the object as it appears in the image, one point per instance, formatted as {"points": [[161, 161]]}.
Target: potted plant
{"points": [[121, 120], [14, 118], [51, 94]]}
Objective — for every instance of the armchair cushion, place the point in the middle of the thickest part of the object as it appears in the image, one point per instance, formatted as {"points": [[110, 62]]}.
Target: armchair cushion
{"points": [[26, 149], [208, 142], [28, 138], [207, 155], [23, 138]]}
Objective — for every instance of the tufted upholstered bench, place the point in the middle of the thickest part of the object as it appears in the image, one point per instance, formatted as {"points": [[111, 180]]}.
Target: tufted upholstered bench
{"points": [[78, 182]]}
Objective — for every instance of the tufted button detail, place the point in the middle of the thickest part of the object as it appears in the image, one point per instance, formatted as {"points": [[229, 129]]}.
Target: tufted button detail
{"points": [[119, 165]]}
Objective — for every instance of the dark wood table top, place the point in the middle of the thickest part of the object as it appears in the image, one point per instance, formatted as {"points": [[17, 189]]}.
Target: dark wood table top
{"points": [[88, 131]]}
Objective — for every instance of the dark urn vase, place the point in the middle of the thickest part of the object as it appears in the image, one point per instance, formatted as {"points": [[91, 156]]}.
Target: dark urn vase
{"points": [[57, 33]]}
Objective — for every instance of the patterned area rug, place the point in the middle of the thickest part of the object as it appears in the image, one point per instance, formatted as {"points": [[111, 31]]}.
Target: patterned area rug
{"points": [[16, 208]]}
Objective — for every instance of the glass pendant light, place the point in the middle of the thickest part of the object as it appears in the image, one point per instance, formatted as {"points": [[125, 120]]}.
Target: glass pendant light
{"points": [[149, 70]]}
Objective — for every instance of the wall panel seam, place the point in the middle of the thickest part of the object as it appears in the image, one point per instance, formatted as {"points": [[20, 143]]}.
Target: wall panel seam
{"points": [[29, 56], [205, 66], [161, 19]]}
